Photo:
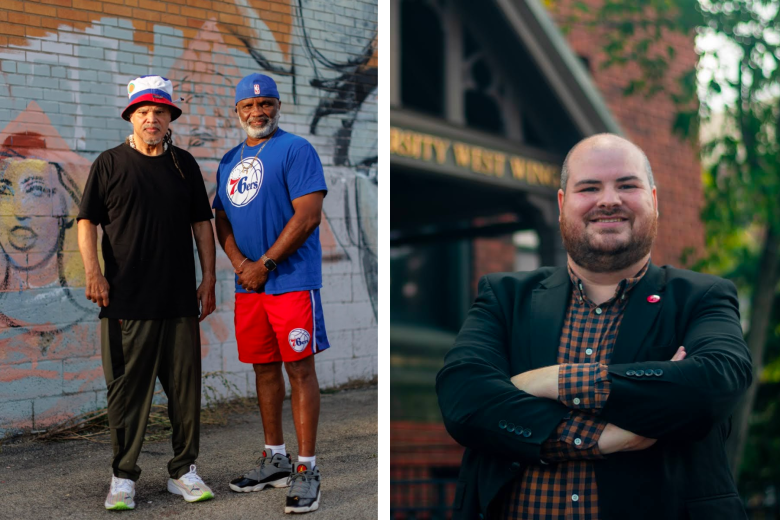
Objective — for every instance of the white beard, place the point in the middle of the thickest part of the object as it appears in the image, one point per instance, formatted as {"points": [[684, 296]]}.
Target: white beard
{"points": [[258, 133]]}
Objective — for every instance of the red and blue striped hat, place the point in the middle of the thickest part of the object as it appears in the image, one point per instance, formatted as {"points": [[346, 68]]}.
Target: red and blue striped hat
{"points": [[155, 89]]}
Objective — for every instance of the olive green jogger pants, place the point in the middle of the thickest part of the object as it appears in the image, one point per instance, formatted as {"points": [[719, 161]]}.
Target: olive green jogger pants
{"points": [[135, 353]]}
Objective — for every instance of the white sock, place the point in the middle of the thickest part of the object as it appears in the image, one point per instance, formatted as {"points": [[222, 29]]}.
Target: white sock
{"points": [[276, 449], [311, 460]]}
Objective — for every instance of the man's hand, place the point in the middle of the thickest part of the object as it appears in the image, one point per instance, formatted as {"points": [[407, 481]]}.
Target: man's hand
{"points": [[542, 382], [97, 289], [614, 439], [207, 299], [252, 275]]}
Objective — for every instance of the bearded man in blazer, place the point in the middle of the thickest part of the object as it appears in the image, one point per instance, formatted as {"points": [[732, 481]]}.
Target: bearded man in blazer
{"points": [[603, 389]]}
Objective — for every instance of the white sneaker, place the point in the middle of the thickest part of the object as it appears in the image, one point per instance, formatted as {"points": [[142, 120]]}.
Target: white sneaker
{"points": [[120, 496], [190, 486]]}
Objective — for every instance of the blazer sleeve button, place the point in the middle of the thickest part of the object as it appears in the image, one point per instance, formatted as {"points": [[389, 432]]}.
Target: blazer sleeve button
{"points": [[502, 424], [526, 433], [640, 372], [658, 372], [630, 372]]}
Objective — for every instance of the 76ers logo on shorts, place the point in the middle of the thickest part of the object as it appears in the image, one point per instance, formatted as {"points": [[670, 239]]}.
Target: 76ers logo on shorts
{"points": [[244, 181], [298, 339]]}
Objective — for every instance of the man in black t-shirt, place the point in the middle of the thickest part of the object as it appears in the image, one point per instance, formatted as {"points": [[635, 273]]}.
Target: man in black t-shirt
{"points": [[149, 198]]}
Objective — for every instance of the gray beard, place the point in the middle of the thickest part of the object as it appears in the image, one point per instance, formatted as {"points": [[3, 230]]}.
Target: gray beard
{"points": [[269, 128]]}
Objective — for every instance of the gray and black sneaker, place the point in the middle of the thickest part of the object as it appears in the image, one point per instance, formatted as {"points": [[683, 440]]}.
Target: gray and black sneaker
{"points": [[304, 493], [272, 471]]}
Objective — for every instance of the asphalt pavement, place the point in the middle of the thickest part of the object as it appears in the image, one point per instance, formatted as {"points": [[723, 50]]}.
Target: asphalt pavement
{"points": [[69, 480]]}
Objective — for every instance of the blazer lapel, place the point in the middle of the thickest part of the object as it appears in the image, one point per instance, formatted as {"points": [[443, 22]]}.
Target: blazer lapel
{"points": [[640, 315], [548, 308]]}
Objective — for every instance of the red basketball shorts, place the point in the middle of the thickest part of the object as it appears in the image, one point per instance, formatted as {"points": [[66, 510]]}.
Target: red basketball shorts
{"points": [[279, 327]]}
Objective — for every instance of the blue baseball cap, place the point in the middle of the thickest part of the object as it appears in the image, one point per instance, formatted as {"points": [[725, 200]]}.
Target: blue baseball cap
{"points": [[256, 85]]}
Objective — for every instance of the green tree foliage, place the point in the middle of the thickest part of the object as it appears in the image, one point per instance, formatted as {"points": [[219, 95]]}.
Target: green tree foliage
{"points": [[741, 97]]}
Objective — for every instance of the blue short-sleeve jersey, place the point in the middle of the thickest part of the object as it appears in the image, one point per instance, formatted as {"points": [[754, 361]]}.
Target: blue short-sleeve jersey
{"points": [[257, 195]]}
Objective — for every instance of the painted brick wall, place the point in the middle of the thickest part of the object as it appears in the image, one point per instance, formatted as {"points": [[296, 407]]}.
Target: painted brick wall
{"points": [[64, 68]]}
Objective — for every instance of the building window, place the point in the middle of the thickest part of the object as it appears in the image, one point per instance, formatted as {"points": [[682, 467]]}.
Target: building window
{"points": [[483, 93], [422, 57], [527, 250]]}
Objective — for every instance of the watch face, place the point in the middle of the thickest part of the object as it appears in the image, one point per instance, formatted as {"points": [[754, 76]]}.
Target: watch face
{"points": [[270, 264]]}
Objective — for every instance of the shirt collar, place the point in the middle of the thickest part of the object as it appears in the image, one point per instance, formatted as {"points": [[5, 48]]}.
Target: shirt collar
{"points": [[622, 288]]}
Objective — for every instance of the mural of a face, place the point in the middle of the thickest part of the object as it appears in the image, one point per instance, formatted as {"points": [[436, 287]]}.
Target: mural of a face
{"points": [[28, 207]]}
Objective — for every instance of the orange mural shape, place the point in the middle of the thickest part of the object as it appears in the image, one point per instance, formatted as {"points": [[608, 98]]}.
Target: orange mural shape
{"points": [[236, 20]]}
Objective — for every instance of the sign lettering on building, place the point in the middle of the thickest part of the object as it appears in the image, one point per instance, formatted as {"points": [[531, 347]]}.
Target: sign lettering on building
{"points": [[477, 159]]}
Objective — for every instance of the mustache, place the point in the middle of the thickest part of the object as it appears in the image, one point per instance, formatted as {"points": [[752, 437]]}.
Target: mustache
{"points": [[262, 119], [152, 125], [606, 214]]}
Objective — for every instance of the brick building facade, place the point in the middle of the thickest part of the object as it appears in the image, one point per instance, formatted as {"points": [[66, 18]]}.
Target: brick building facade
{"points": [[64, 69]]}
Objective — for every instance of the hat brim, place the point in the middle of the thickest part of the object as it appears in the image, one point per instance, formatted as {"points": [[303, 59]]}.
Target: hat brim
{"points": [[175, 111]]}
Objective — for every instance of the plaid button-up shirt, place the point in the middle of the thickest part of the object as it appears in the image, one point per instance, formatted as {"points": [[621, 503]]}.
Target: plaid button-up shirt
{"points": [[565, 487]]}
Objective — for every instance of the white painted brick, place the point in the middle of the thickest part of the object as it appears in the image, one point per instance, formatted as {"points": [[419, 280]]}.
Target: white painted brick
{"points": [[15, 415], [340, 316], [356, 369], [325, 372], [340, 346], [52, 410], [230, 361], [359, 289], [58, 48], [212, 362], [365, 342], [336, 288], [83, 375]]}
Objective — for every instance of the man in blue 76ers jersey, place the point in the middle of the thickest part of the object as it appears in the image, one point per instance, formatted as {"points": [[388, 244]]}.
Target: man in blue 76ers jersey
{"points": [[268, 204]]}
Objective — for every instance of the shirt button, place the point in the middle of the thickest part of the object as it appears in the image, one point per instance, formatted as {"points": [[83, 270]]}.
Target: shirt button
{"points": [[589, 351], [598, 311], [576, 400], [575, 497], [577, 442]]}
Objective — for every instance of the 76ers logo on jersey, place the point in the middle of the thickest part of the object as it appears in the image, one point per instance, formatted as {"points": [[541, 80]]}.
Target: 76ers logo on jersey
{"points": [[298, 339], [244, 182]]}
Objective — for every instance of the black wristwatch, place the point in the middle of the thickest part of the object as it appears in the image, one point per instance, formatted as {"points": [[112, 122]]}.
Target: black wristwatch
{"points": [[268, 263]]}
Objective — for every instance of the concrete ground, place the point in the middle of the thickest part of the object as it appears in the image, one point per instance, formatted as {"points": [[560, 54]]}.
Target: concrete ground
{"points": [[70, 479]]}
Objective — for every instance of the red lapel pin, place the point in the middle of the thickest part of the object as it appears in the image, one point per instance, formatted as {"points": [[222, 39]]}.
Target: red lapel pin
{"points": [[654, 298]]}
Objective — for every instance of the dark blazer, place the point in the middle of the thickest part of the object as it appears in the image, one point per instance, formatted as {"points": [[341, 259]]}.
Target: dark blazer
{"points": [[515, 326]]}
